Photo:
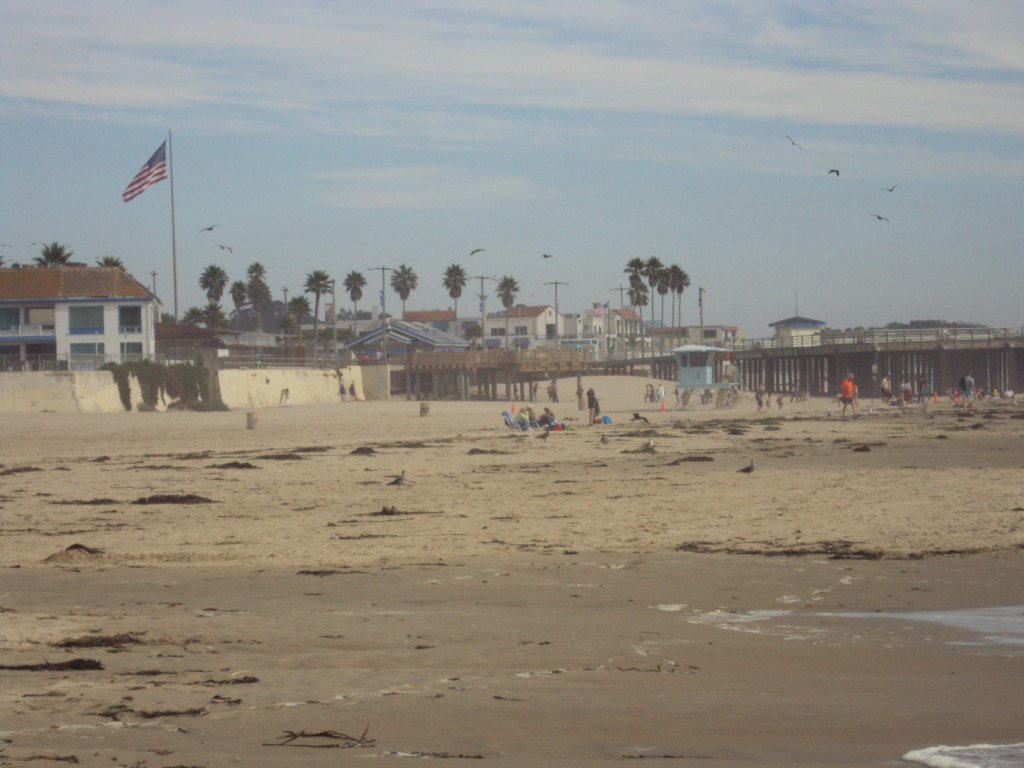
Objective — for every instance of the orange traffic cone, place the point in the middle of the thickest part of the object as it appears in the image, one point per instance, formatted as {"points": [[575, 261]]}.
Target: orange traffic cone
{"points": [[512, 408], [662, 405], [936, 394]]}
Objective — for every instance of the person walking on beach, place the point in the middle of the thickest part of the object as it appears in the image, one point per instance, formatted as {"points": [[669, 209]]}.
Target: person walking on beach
{"points": [[553, 391], [886, 390], [592, 405], [847, 395], [967, 391]]}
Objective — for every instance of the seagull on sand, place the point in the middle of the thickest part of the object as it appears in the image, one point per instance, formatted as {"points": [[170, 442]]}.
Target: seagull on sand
{"points": [[833, 170], [793, 142], [878, 216], [638, 417], [476, 251], [209, 228], [225, 248], [749, 469], [399, 479], [604, 440], [648, 447], [544, 435]]}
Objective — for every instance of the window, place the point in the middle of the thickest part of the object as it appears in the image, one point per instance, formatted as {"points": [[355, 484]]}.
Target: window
{"points": [[710, 334], [87, 349], [131, 348], [497, 331], [85, 320], [522, 330], [129, 319], [9, 318]]}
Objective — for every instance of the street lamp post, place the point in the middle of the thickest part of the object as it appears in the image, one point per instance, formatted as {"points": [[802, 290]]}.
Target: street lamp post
{"points": [[483, 299], [383, 308], [700, 309], [556, 283], [334, 321]]}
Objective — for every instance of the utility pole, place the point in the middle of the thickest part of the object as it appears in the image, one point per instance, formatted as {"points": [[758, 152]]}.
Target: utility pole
{"points": [[383, 310], [334, 320], [556, 283], [483, 299]]}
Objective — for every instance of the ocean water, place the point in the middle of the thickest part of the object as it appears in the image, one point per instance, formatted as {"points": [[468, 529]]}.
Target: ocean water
{"points": [[995, 626], [974, 756]]}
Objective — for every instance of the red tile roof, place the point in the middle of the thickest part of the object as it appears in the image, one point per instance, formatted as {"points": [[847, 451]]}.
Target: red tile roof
{"points": [[70, 283], [525, 311], [430, 315]]}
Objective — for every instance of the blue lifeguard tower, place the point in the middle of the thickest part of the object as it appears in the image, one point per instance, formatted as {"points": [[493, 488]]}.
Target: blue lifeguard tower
{"points": [[704, 368]]}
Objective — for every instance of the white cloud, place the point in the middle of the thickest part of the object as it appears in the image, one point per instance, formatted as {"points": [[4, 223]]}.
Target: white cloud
{"points": [[907, 63]]}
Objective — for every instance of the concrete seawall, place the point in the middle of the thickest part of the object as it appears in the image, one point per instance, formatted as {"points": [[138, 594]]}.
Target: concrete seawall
{"points": [[96, 391]]}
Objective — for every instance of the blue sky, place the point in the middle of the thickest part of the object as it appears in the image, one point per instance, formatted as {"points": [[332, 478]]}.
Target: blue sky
{"points": [[349, 135]]}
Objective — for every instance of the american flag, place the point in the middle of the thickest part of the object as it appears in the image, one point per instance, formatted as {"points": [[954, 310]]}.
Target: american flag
{"points": [[153, 171]]}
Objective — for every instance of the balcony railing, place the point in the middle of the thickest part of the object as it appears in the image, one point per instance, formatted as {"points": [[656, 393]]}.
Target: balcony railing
{"points": [[26, 331], [69, 362]]}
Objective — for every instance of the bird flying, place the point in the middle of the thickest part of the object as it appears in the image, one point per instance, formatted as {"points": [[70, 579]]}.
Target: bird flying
{"points": [[831, 171], [476, 251], [399, 479], [225, 248], [638, 417], [793, 142], [890, 189], [749, 469], [878, 216], [209, 228], [547, 255]]}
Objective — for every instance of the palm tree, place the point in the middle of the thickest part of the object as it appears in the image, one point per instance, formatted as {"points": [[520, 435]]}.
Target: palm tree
{"points": [[258, 291], [297, 308], [354, 283], [239, 294], [109, 261], [54, 255], [286, 324], [635, 270], [213, 316], [679, 282], [317, 282], [652, 268], [256, 271], [213, 280], [507, 290], [473, 331], [455, 280], [404, 281], [663, 287], [638, 298], [193, 317]]}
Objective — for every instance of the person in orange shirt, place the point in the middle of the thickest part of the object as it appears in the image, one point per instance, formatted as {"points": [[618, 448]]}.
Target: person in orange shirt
{"points": [[848, 394]]}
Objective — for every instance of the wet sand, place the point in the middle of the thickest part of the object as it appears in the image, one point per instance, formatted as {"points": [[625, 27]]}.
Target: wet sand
{"points": [[542, 602]]}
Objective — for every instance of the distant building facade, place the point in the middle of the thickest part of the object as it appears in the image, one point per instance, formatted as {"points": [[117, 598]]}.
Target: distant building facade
{"points": [[74, 318]]}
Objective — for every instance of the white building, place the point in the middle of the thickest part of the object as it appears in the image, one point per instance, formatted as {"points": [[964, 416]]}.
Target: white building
{"points": [[74, 317]]}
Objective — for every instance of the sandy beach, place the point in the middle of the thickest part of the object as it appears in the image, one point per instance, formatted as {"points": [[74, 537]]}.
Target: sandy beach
{"points": [[534, 601]]}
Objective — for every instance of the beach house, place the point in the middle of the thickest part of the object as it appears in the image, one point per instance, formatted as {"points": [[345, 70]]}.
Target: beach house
{"points": [[68, 318]]}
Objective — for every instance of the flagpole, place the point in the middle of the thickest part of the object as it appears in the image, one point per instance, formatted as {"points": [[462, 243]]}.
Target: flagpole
{"points": [[174, 243]]}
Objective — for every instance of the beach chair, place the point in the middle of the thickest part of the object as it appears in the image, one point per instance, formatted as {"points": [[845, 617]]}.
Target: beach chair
{"points": [[514, 425]]}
